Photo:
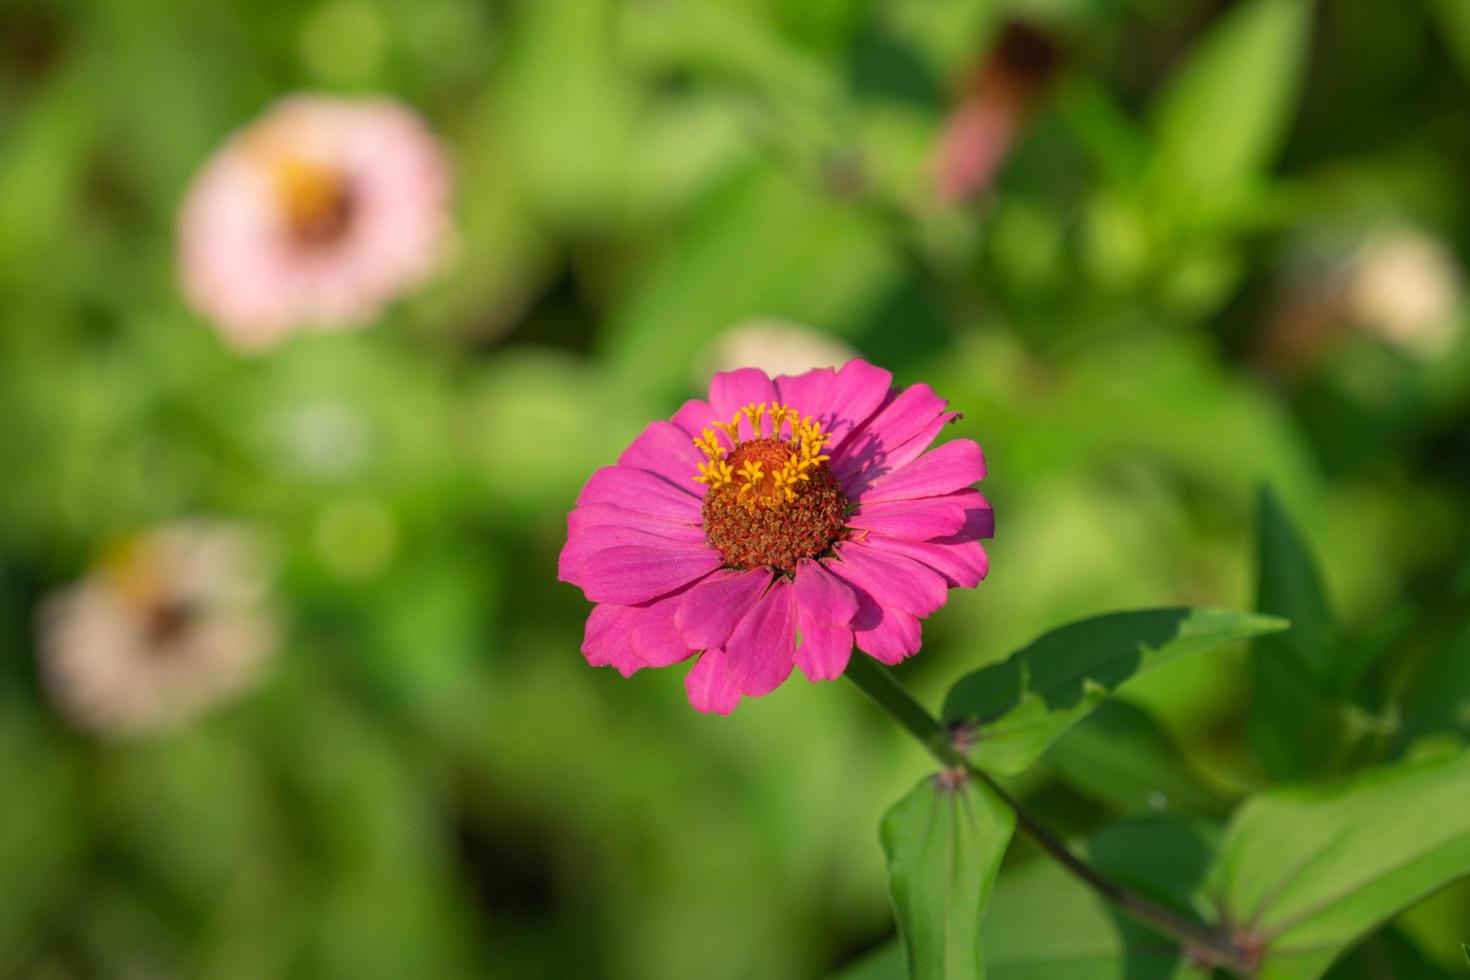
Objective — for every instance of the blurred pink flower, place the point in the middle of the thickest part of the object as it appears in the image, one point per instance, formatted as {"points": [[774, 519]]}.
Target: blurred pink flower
{"points": [[998, 99], [317, 214], [821, 516], [165, 625]]}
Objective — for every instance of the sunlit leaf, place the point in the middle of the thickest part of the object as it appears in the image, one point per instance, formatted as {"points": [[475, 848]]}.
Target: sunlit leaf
{"points": [[1022, 705], [944, 841], [1224, 114], [1305, 872]]}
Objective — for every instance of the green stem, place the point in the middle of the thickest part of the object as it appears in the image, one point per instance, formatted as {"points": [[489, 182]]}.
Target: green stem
{"points": [[879, 684]]}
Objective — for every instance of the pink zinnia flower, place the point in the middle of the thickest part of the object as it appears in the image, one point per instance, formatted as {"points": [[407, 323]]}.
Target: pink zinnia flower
{"points": [[317, 214], [776, 525]]}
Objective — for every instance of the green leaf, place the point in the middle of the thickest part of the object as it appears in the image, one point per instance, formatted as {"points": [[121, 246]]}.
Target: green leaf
{"points": [[1454, 25], [1307, 871], [1290, 585], [944, 842], [1295, 721], [1121, 756], [1022, 705], [1226, 111]]}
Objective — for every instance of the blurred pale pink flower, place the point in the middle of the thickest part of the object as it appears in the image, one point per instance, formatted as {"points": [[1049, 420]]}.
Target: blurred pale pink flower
{"points": [[165, 625], [315, 215], [1405, 288], [1397, 284], [997, 100], [774, 345], [776, 526]]}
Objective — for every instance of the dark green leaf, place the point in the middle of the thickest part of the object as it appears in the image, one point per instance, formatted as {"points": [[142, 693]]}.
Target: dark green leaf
{"points": [[1295, 721], [1022, 705], [1307, 871], [1388, 954], [944, 842]]}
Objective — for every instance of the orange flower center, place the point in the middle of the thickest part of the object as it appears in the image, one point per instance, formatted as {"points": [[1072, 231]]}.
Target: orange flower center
{"points": [[315, 200], [772, 499]]}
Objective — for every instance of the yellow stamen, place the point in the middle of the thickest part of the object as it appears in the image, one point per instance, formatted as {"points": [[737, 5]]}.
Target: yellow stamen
{"points": [[716, 473], [710, 445], [755, 413], [758, 486]]}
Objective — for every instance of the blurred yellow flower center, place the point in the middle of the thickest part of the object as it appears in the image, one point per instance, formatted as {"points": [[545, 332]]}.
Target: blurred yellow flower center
{"points": [[315, 200], [136, 576], [772, 500]]}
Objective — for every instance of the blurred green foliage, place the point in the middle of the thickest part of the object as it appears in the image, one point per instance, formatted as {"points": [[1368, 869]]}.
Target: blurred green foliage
{"points": [[431, 782]]}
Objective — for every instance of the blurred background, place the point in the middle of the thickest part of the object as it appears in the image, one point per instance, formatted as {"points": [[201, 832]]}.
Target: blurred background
{"points": [[1158, 252]]}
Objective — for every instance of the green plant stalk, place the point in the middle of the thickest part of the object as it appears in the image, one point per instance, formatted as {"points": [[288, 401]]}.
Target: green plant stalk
{"points": [[878, 683]]}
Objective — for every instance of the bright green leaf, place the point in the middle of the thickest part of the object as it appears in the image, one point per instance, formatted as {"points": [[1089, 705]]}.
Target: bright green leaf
{"points": [[1022, 705], [944, 842], [1307, 871], [1225, 113]]}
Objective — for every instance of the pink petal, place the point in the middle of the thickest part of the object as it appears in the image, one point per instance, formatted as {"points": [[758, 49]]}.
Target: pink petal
{"points": [[901, 430], [694, 416], [605, 642], [710, 611], [963, 565], [953, 466], [582, 545], [762, 650], [652, 634], [892, 580], [631, 574], [589, 516], [641, 491], [821, 597], [824, 608], [731, 391], [806, 393], [856, 393], [888, 634], [667, 451], [824, 651], [709, 686], [916, 520], [979, 518]]}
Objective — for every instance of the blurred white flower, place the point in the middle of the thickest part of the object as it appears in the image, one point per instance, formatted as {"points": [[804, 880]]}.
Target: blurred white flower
{"points": [[775, 346], [317, 214], [165, 625], [1406, 288]]}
